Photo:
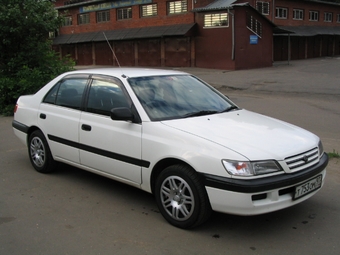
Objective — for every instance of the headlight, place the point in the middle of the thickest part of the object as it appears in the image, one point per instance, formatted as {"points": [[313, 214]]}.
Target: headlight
{"points": [[246, 168], [321, 151]]}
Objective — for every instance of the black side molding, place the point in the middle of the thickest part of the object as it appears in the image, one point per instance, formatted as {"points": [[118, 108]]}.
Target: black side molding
{"points": [[19, 126]]}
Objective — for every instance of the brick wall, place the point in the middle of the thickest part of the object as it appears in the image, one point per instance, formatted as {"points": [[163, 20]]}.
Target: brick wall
{"points": [[136, 21]]}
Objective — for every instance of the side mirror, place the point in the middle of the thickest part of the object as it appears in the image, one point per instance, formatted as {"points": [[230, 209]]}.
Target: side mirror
{"points": [[122, 113]]}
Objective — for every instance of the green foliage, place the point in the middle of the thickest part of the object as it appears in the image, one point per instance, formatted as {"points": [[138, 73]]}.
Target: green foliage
{"points": [[27, 61], [333, 154]]}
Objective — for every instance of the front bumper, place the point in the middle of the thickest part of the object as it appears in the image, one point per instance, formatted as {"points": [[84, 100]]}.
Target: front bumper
{"points": [[257, 196]]}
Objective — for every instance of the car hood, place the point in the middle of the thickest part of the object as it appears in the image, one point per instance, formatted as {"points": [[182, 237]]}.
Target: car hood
{"points": [[252, 135]]}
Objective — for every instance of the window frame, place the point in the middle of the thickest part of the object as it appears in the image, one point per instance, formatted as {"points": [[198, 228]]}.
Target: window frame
{"points": [[328, 17], [121, 15], [281, 13], [84, 19], [148, 10], [263, 7], [313, 16], [338, 18], [177, 7], [254, 25], [67, 21], [103, 16], [297, 13], [212, 20]]}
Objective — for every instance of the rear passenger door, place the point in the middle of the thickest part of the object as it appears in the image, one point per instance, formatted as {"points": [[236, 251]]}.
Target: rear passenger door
{"points": [[110, 147], [59, 116]]}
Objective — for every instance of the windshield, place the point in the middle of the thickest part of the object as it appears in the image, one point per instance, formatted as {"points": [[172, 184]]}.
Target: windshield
{"points": [[178, 96]]}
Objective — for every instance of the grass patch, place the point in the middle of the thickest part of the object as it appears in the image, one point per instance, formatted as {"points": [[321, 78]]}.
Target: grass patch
{"points": [[334, 154]]}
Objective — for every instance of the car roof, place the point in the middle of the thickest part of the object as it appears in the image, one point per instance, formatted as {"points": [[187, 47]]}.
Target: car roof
{"points": [[129, 72]]}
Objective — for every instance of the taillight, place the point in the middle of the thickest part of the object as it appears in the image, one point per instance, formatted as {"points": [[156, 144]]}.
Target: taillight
{"points": [[16, 108]]}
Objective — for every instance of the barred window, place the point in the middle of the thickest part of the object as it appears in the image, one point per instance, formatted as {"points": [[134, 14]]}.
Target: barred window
{"points": [[254, 25], [83, 18], [67, 21], [124, 13], [281, 13], [216, 20], [149, 10], [103, 16], [297, 14], [263, 7], [177, 7], [328, 17], [313, 15]]}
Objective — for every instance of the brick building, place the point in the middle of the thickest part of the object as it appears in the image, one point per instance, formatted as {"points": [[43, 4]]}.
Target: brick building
{"points": [[314, 27], [223, 34]]}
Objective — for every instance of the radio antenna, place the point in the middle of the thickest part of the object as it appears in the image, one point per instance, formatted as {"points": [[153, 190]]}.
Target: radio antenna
{"points": [[112, 50]]}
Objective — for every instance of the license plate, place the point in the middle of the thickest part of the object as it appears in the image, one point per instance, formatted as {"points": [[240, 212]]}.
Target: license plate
{"points": [[308, 187]]}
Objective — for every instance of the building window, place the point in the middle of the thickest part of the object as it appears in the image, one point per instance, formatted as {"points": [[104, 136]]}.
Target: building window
{"points": [[338, 18], [177, 7], [313, 15], [281, 13], [67, 21], [103, 16], [262, 7], [124, 13], [149, 10], [254, 25], [328, 17], [298, 14], [83, 18], [216, 20]]}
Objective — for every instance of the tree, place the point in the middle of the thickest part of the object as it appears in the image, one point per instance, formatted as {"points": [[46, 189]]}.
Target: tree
{"points": [[27, 61]]}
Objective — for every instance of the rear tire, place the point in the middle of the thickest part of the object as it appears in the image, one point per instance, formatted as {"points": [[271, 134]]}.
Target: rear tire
{"points": [[181, 197], [39, 153]]}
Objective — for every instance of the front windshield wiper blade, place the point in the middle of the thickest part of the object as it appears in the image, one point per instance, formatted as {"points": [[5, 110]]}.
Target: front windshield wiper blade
{"points": [[199, 113], [230, 108]]}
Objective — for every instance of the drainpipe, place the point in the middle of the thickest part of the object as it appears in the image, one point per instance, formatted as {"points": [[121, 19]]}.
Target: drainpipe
{"points": [[273, 15], [232, 34]]}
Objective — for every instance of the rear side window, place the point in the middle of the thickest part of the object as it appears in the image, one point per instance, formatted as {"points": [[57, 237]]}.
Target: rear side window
{"points": [[67, 93]]}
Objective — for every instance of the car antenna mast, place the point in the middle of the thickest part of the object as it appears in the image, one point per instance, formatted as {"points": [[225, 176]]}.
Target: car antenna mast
{"points": [[123, 75]]}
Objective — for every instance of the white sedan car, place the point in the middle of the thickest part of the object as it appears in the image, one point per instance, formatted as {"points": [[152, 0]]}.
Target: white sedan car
{"points": [[171, 134]]}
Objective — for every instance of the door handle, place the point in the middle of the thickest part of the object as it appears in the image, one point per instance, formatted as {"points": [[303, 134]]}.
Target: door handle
{"points": [[42, 116], [86, 127]]}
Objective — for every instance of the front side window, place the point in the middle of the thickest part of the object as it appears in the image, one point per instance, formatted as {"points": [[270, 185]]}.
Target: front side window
{"points": [[262, 7], [149, 10], [177, 96], [313, 15], [216, 20], [83, 19], [328, 17], [103, 16], [105, 95], [124, 13], [281, 13], [298, 14], [67, 93], [177, 7]]}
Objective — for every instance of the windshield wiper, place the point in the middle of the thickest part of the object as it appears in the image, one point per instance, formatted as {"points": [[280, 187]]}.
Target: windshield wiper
{"points": [[230, 108], [199, 113]]}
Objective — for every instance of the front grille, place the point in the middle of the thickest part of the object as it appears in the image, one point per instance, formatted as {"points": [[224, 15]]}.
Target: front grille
{"points": [[303, 160]]}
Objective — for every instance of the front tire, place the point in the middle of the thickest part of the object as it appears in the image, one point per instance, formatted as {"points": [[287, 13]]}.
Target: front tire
{"points": [[181, 197], [39, 153]]}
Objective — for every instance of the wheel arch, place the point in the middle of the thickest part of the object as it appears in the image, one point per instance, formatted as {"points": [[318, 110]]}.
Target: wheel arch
{"points": [[163, 164], [31, 130]]}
